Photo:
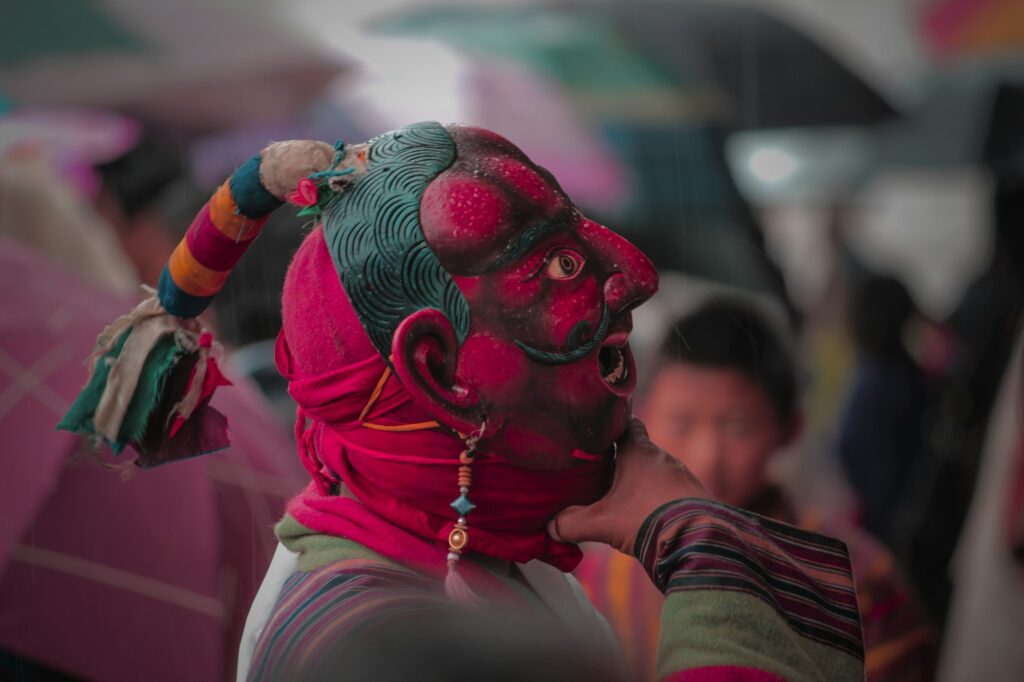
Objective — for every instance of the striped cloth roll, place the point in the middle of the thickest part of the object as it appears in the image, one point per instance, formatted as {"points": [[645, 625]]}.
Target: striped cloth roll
{"points": [[214, 243]]}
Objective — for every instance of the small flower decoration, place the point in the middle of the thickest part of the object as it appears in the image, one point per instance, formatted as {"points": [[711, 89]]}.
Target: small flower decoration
{"points": [[306, 194], [313, 193]]}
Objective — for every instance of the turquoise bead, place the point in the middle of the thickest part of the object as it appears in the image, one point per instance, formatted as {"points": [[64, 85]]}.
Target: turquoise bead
{"points": [[463, 505]]}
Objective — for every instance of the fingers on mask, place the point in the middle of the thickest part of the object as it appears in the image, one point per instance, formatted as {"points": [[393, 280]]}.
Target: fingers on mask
{"points": [[571, 525]]}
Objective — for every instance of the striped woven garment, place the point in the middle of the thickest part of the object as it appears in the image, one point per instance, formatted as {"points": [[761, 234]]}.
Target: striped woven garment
{"points": [[899, 641], [747, 599], [745, 591]]}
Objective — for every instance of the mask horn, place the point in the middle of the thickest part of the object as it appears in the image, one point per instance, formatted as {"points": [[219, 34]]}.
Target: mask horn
{"points": [[154, 370]]}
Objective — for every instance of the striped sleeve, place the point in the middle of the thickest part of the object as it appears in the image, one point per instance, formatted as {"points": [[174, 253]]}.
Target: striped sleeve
{"points": [[317, 610], [748, 598]]}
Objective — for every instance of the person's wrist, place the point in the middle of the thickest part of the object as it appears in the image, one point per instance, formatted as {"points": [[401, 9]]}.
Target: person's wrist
{"points": [[658, 533]]}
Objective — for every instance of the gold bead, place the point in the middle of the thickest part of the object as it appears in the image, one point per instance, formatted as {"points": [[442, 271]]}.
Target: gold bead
{"points": [[458, 538]]}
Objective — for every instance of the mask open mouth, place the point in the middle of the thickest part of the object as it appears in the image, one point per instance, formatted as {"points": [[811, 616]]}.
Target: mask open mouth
{"points": [[612, 363]]}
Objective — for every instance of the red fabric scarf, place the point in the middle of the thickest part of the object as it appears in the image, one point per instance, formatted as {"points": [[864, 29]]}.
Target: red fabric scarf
{"points": [[403, 482]]}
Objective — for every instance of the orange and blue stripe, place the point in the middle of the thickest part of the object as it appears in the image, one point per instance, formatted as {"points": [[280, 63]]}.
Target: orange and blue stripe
{"points": [[214, 243]]}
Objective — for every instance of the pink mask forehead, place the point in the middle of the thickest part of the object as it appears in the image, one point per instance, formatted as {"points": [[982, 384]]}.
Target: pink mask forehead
{"points": [[524, 181], [471, 212], [465, 213]]}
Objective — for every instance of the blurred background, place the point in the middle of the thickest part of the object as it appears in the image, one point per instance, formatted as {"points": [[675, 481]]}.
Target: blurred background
{"points": [[856, 167]]}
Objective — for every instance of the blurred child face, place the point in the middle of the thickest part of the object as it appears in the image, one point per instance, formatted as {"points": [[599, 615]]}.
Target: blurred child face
{"points": [[719, 423]]}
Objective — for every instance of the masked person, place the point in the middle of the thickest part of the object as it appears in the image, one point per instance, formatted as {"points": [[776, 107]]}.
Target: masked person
{"points": [[455, 335], [723, 397]]}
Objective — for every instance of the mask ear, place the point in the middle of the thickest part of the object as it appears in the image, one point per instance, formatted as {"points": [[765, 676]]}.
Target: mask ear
{"points": [[424, 353]]}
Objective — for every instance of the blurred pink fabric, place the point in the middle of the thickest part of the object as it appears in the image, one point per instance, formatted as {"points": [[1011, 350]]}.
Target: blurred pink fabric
{"points": [[109, 576]]}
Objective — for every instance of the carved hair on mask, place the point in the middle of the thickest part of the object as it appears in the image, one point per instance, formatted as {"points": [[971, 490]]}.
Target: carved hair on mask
{"points": [[374, 236]]}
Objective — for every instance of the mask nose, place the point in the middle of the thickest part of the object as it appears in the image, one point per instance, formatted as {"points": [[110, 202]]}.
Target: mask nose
{"points": [[619, 293], [633, 279]]}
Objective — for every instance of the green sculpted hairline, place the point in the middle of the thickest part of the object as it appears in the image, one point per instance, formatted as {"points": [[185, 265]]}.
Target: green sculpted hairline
{"points": [[375, 238]]}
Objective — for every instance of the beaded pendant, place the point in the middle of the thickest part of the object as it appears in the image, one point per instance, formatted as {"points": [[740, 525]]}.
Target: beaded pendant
{"points": [[459, 535]]}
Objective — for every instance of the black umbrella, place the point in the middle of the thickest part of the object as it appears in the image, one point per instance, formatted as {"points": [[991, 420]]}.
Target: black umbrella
{"points": [[772, 74]]}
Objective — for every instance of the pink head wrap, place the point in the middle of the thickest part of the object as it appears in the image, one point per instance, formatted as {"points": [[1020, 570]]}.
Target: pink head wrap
{"points": [[402, 478]]}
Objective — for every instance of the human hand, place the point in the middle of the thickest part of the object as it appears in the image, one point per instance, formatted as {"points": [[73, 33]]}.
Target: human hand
{"points": [[646, 477]]}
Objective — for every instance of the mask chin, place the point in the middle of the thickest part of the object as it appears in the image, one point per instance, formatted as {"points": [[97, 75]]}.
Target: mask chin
{"points": [[586, 456], [523, 447]]}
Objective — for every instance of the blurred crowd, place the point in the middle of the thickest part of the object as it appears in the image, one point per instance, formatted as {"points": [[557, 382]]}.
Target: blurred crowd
{"points": [[836, 343]]}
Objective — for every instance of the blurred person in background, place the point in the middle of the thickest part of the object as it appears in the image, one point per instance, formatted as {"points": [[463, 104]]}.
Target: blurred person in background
{"points": [[54, 225], [103, 576], [986, 614], [148, 198], [983, 326], [882, 428], [723, 396], [986, 619]]}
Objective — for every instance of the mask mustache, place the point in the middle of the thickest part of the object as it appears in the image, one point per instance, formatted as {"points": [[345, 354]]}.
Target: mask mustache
{"points": [[577, 345]]}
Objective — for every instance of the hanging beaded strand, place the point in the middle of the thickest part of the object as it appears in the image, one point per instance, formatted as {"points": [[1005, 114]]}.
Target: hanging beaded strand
{"points": [[458, 538]]}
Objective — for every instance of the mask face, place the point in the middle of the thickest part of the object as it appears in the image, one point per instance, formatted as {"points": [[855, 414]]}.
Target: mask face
{"points": [[491, 293], [550, 294]]}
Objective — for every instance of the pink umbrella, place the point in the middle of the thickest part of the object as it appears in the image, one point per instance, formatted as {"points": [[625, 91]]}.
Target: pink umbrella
{"points": [[120, 577], [524, 107]]}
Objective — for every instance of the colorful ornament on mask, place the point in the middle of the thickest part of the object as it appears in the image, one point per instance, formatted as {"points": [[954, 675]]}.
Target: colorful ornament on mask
{"points": [[154, 370], [458, 537]]}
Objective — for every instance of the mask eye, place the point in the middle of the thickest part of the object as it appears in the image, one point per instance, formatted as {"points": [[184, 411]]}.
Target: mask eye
{"points": [[564, 264]]}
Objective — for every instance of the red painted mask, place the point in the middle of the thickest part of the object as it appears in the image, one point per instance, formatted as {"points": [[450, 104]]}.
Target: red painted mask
{"points": [[532, 337], [550, 294]]}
